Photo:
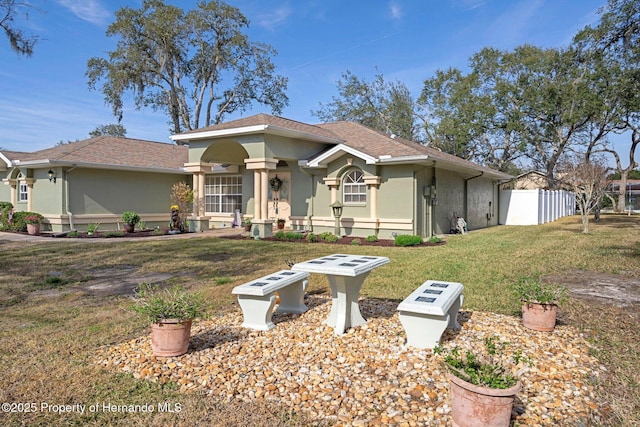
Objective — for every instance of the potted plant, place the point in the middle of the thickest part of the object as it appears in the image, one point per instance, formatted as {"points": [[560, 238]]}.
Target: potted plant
{"points": [[170, 312], [482, 388], [33, 222], [92, 228], [539, 302], [281, 223], [246, 223], [130, 219]]}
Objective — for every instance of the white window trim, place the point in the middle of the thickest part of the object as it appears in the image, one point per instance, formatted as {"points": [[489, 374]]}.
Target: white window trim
{"points": [[346, 185], [216, 182], [25, 193]]}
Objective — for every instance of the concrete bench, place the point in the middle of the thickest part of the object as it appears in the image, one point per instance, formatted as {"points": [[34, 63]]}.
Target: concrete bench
{"points": [[429, 310], [257, 298]]}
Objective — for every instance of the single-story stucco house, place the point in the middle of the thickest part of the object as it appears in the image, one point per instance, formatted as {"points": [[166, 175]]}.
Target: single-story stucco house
{"points": [[385, 184]]}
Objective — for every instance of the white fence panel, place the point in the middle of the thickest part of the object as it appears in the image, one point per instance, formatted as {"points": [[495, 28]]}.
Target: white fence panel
{"points": [[531, 207]]}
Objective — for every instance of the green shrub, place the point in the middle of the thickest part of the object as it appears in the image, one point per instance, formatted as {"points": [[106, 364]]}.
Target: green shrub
{"points": [[531, 289], [280, 235], [73, 234], [356, 242], [156, 304], [407, 240], [130, 217], [329, 237], [5, 207], [18, 220], [293, 235], [311, 237], [371, 239], [435, 239]]}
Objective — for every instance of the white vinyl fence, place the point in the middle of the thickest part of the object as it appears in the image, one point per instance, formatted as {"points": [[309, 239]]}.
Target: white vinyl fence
{"points": [[531, 207]]}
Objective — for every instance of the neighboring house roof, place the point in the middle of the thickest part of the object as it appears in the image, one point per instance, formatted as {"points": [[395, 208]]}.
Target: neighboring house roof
{"points": [[530, 180], [108, 152]]}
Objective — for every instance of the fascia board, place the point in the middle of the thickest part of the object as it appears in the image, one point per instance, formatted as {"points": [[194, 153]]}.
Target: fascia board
{"points": [[323, 159], [404, 159], [5, 159], [89, 165], [250, 130]]}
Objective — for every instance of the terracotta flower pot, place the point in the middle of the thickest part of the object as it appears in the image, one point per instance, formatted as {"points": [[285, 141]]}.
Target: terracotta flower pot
{"points": [[476, 406], [170, 337], [33, 229], [539, 317]]}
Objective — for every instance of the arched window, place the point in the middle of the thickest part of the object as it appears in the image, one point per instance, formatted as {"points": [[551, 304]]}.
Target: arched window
{"points": [[354, 190]]}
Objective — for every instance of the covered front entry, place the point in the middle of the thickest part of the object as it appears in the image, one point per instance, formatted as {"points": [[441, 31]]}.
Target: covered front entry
{"points": [[280, 199]]}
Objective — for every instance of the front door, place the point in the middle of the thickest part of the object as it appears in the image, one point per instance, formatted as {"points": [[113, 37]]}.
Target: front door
{"points": [[279, 201]]}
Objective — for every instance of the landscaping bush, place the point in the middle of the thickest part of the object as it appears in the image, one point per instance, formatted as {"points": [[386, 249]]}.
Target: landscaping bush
{"points": [[407, 240], [328, 237], [435, 239], [356, 242], [293, 235], [279, 235], [371, 239], [18, 222], [311, 237], [5, 207]]}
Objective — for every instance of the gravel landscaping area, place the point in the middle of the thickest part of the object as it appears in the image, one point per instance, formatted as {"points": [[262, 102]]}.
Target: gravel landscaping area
{"points": [[367, 376]]}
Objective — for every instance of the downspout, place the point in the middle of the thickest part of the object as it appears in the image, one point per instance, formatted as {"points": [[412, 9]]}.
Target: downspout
{"points": [[68, 196], [309, 226], [466, 196]]}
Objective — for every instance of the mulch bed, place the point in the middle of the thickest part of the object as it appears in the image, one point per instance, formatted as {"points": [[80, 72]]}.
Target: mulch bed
{"points": [[345, 240]]}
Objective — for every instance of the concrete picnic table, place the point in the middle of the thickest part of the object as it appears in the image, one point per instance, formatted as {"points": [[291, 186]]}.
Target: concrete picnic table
{"points": [[346, 274]]}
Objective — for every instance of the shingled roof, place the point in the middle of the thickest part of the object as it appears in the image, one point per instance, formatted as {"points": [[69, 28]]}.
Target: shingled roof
{"points": [[109, 151], [263, 123]]}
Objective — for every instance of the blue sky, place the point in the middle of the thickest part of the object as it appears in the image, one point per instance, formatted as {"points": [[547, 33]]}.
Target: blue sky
{"points": [[45, 99]]}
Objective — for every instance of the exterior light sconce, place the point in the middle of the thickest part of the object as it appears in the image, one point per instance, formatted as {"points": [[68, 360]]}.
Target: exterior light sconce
{"points": [[336, 207], [52, 176]]}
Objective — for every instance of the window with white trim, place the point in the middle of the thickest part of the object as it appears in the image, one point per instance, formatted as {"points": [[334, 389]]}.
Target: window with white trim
{"points": [[354, 190], [23, 192], [223, 194]]}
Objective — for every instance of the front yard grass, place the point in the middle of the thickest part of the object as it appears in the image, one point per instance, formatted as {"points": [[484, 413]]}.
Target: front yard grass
{"points": [[52, 322]]}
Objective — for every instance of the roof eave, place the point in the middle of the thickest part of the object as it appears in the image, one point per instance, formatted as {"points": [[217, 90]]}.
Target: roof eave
{"points": [[6, 160], [252, 130], [91, 165]]}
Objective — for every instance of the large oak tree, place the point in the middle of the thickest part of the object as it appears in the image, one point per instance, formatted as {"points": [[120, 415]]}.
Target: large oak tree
{"points": [[187, 64]]}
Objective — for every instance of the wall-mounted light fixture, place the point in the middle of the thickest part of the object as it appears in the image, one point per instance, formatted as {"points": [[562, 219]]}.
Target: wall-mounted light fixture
{"points": [[52, 176]]}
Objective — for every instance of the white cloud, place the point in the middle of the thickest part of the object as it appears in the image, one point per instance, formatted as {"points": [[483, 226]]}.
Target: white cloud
{"points": [[276, 18], [514, 24], [467, 5], [396, 10], [88, 10]]}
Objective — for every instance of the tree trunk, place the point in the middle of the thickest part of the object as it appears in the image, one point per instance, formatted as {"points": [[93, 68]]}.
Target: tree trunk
{"points": [[585, 222], [622, 191]]}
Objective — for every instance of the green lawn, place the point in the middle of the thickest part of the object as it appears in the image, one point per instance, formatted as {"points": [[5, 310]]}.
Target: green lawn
{"points": [[51, 326]]}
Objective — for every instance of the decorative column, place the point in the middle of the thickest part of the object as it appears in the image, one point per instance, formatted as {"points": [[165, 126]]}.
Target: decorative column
{"points": [[14, 190], [264, 190], [333, 184], [257, 194], [373, 182], [198, 221], [29, 182], [263, 226]]}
